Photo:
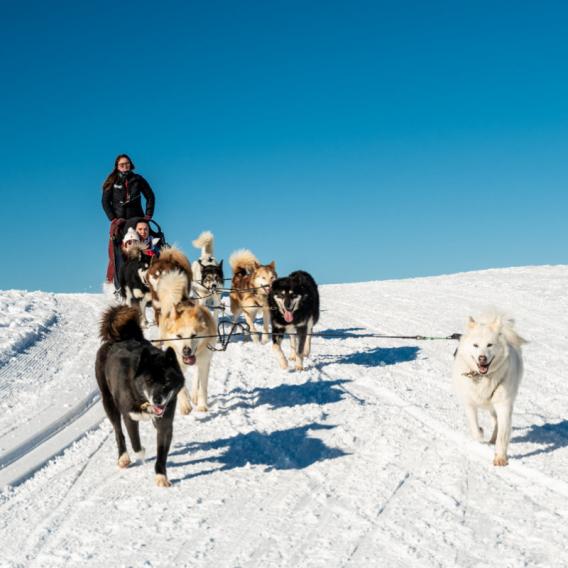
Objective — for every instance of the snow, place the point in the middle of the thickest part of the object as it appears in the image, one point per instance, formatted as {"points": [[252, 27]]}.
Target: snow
{"points": [[362, 459]]}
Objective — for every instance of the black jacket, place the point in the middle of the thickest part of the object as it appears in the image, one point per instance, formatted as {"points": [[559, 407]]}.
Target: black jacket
{"points": [[124, 199]]}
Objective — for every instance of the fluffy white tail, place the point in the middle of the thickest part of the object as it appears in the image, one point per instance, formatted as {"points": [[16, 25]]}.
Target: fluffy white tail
{"points": [[243, 259], [172, 288], [499, 322], [205, 242]]}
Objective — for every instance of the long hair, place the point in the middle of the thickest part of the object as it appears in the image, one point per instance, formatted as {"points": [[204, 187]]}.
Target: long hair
{"points": [[111, 178]]}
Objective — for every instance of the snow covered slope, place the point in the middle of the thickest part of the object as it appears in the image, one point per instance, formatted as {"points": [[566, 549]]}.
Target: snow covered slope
{"points": [[361, 460]]}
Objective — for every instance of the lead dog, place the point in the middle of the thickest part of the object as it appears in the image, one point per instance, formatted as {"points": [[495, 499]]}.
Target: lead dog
{"points": [[208, 275], [487, 372], [191, 331], [294, 309], [137, 382], [250, 287]]}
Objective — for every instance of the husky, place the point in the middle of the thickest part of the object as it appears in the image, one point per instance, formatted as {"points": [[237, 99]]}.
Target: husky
{"points": [[487, 371], [132, 277], [294, 309], [171, 260], [137, 381], [208, 275], [249, 290], [191, 331]]}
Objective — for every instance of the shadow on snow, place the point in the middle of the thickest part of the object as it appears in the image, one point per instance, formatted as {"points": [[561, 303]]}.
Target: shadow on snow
{"points": [[376, 357], [283, 449], [286, 395], [550, 436]]}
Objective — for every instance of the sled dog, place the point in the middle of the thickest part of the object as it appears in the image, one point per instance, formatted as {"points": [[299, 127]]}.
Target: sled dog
{"points": [[487, 371], [137, 382], [191, 329], [171, 260], [294, 309], [250, 287], [207, 272], [132, 278]]}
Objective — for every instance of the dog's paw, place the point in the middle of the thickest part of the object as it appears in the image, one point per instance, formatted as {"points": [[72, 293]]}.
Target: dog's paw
{"points": [[292, 356], [162, 481], [141, 455], [185, 407], [283, 363], [124, 461], [265, 338], [299, 366], [194, 397], [500, 460], [202, 408]]}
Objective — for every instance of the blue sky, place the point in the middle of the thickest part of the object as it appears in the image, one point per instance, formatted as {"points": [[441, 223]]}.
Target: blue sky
{"points": [[355, 140]]}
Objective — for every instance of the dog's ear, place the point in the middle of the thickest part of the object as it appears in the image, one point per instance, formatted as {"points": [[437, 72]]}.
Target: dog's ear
{"points": [[496, 324], [143, 361], [272, 265], [221, 264], [171, 355], [471, 323], [200, 263]]}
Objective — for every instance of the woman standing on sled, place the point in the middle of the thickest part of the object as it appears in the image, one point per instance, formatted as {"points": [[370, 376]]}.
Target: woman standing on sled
{"points": [[122, 200]]}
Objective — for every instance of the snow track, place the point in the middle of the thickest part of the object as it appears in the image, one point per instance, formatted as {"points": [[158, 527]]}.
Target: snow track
{"points": [[361, 460]]}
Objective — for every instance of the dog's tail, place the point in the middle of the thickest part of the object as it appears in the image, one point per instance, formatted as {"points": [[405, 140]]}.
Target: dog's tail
{"points": [[172, 288], [204, 242], [243, 260], [509, 332], [136, 251], [501, 323], [173, 254], [119, 323]]}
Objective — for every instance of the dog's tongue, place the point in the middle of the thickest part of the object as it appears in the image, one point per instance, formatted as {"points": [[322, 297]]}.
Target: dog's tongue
{"points": [[158, 410], [189, 360], [288, 316]]}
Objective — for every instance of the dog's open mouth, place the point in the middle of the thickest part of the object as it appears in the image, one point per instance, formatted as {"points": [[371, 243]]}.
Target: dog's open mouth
{"points": [[483, 368], [288, 316], [189, 359], [158, 410]]}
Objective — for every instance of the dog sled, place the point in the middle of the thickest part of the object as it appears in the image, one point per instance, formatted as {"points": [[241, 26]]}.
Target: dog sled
{"points": [[115, 250]]}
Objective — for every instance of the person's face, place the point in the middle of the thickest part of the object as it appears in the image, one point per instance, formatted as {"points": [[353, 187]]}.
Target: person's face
{"points": [[123, 164], [142, 230]]}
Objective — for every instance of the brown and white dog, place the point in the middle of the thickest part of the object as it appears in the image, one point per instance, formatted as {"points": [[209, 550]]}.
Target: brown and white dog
{"points": [[171, 260], [191, 329], [250, 287]]}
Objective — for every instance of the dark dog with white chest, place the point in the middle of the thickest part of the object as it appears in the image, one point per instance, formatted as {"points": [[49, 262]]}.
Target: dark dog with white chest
{"points": [[137, 381], [294, 309]]}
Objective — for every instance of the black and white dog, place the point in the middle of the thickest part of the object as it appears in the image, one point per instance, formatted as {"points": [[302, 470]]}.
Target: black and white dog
{"points": [[208, 279], [294, 309], [132, 278], [137, 381]]}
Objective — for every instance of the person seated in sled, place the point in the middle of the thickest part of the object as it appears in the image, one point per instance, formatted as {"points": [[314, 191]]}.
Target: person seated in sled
{"points": [[153, 244], [122, 200]]}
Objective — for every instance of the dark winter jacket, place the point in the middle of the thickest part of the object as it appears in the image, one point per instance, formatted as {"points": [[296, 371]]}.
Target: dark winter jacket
{"points": [[124, 198]]}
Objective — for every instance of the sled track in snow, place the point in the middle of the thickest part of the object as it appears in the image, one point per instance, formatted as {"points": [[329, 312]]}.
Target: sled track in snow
{"points": [[33, 429]]}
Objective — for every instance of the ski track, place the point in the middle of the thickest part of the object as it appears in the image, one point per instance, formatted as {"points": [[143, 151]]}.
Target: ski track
{"points": [[361, 459]]}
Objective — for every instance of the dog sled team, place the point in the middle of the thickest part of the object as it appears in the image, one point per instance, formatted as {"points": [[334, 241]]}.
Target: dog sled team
{"points": [[140, 381]]}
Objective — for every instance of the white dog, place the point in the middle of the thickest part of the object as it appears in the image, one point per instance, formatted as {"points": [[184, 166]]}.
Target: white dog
{"points": [[487, 372], [207, 283]]}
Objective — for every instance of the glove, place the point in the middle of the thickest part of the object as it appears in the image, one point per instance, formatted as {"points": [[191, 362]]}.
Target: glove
{"points": [[147, 217], [115, 225]]}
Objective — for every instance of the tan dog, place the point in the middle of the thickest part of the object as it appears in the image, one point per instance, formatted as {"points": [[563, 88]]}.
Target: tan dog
{"points": [[251, 284], [193, 330], [171, 260]]}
